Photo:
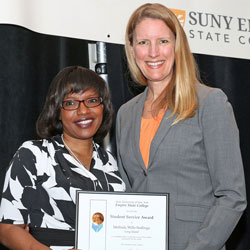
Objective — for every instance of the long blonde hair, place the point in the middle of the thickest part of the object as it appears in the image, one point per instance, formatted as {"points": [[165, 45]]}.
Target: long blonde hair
{"points": [[180, 94]]}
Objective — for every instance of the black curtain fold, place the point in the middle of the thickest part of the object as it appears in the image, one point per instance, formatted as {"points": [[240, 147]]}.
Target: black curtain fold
{"points": [[29, 61]]}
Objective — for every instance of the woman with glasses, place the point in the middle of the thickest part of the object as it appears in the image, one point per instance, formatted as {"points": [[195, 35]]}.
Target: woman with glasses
{"points": [[43, 176]]}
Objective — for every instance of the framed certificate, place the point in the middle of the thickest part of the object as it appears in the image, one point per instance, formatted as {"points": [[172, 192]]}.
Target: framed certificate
{"points": [[124, 221]]}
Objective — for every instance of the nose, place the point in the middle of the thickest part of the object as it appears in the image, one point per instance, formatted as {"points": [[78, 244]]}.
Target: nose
{"points": [[154, 50], [82, 109]]}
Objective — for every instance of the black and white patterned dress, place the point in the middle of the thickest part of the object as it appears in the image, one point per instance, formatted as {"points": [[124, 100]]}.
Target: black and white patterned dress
{"points": [[41, 182]]}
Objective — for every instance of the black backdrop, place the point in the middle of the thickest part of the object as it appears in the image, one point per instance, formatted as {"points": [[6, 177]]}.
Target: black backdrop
{"points": [[29, 61]]}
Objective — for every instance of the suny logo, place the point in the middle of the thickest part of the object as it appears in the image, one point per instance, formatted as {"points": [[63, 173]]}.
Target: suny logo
{"points": [[214, 28], [181, 15]]}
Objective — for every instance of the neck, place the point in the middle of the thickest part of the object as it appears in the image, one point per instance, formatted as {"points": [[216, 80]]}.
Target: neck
{"points": [[154, 90], [81, 150], [77, 144]]}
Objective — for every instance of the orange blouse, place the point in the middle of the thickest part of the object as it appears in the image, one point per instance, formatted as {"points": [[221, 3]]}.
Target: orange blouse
{"points": [[149, 127]]}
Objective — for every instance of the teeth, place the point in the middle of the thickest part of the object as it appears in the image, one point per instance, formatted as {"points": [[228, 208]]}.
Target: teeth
{"points": [[154, 63], [85, 122]]}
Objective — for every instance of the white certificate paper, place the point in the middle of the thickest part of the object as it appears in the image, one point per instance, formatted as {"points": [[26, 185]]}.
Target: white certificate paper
{"points": [[124, 221]]}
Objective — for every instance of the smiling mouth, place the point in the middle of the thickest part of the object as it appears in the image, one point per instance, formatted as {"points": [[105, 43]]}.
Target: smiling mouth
{"points": [[84, 122], [154, 64]]}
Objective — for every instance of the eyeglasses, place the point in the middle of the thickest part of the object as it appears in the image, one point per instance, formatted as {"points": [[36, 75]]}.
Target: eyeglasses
{"points": [[75, 104]]}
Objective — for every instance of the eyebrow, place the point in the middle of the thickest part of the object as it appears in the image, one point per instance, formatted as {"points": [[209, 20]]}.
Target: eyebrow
{"points": [[69, 96], [158, 38]]}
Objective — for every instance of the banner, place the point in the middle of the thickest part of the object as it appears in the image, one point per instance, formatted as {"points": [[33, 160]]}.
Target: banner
{"points": [[220, 28]]}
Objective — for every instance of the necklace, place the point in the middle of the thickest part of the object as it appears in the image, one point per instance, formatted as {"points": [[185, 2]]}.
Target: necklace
{"points": [[77, 159], [72, 153]]}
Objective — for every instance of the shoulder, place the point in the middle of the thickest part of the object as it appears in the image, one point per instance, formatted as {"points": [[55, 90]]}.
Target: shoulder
{"points": [[27, 153], [26, 157], [35, 145], [37, 148], [214, 107], [206, 94], [34, 154], [131, 103], [32, 145]]}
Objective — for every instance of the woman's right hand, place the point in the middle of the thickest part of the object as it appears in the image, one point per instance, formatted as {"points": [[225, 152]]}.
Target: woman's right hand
{"points": [[17, 237]]}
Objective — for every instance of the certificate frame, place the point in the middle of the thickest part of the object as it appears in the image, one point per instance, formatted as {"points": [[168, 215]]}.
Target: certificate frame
{"points": [[120, 220]]}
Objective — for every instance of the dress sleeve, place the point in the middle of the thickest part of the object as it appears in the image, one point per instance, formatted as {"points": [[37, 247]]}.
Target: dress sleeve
{"points": [[221, 142], [113, 174], [19, 187]]}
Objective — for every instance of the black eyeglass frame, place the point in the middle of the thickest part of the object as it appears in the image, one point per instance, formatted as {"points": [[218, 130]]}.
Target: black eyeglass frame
{"points": [[85, 102]]}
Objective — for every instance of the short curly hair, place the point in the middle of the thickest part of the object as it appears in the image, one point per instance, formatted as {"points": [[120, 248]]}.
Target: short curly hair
{"points": [[73, 79]]}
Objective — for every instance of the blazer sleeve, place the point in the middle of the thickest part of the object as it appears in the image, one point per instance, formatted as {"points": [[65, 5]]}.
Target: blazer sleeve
{"points": [[221, 142], [119, 160]]}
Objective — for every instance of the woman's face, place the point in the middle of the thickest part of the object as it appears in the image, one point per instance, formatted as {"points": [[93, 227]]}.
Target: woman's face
{"points": [[81, 123], [154, 50]]}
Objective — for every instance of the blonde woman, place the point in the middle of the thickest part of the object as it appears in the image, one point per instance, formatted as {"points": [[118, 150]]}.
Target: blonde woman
{"points": [[179, 136]]}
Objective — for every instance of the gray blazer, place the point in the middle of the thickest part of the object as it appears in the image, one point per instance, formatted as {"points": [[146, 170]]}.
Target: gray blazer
{"points": [[197, 161]]}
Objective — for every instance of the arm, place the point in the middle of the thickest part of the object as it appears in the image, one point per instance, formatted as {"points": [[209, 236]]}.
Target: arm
{"points": [[119, 160], [14, 207], [221, 142], [17, 238]]}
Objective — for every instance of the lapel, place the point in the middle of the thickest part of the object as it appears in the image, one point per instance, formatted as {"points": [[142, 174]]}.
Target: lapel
{"points": [[161, 133], [136, 127]]}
